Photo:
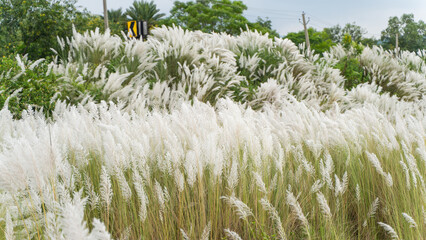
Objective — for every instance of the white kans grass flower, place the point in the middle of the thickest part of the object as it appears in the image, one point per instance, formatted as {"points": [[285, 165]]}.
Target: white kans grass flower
{"points": [[9, 232], [93, 197], [162, 197], [274, 183], [232, 178], [372, 211], [143, 198], [407, 174], [242, 210], [179, 180], [327, 169], [232, 235], [358, 193], [296, 208], [376, 164], [206, 231], [184, 235], [410, 220], [273, 213], [126, 192], [259, 183], [105, 187], [72, 221], [99, 231], [318, 184], [324, 205], [389, 230]]}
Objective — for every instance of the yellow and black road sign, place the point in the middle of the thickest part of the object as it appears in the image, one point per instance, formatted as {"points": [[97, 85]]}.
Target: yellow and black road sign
{"points": [[132, 28], [137, 29]]}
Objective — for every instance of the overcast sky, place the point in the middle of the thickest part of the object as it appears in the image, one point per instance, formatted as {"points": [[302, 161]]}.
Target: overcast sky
{"points": [[372, 15]]}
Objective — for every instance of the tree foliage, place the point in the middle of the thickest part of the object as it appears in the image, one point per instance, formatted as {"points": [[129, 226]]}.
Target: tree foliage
{"points": [[117, 20], [412, 34], [32, 26], [117, 15], [320, 41], [337, 32], [215, 16], [26, 87], [146, 11]]}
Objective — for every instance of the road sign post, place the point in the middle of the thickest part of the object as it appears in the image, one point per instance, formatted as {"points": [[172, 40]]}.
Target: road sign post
{"points": [[137, 29]]}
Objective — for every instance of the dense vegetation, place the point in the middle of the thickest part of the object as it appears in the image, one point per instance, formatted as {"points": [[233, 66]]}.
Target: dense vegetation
{"points": [[31, 27], [212, 136]]}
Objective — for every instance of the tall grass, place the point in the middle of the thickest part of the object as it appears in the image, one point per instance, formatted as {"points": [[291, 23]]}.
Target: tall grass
{"points": [[190, 146]]}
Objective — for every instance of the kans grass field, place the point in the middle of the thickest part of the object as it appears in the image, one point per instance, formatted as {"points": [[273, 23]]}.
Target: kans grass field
{"points": [[191, 135]]}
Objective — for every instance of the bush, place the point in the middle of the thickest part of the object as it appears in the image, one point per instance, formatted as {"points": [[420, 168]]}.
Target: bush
{"points": [[26, 84]]}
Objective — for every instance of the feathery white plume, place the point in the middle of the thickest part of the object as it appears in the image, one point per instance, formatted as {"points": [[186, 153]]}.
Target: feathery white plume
{"points": [[410, 220], [232, 235], [242, 210], [389, 230], [274, 216], [324, 205]]}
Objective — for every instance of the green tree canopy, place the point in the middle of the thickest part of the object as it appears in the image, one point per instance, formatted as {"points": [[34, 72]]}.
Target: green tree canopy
{"points": [[117, 15], [337, 33], [117, 20], [146, 11], [320, 41], [412, 34], [31, 27], [215, 16]]}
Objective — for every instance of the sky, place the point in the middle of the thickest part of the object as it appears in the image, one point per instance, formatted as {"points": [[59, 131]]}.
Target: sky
{"points": [[372, 15]]}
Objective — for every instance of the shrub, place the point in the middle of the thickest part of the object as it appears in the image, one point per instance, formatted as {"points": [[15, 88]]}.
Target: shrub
{"points": [[26, 84]]}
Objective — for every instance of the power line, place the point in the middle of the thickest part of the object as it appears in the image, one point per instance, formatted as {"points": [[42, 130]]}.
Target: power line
{"points": [[327, 23], [271, 17], [274, 14], [274, 10]]}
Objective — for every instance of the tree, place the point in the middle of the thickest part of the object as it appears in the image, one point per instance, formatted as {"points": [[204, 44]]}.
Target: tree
{"points": [[337, 33], [117, 15], [356, 32], [320, 41], [146, 11], [264, 26], [31, 27], [117, 20], [215, 16], [369, 41], [411, 33]]}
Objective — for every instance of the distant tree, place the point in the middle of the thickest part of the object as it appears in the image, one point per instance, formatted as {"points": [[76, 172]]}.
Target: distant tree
{"points": [[264, 26], [146, 11], [320, 41], [356, 32], [87, 21], [117, 20], [412, 34], [266, 23], [215, 16], [337, 33], [117, 15], [369, 41], [31, 27]]}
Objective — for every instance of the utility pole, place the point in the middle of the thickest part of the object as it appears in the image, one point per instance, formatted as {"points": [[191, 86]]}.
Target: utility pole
{"points": [[308, 45], [396, 44], [106, 15]]}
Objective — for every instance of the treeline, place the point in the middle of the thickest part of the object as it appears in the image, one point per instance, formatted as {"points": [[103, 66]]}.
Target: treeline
{"points": [[31, 27]]}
